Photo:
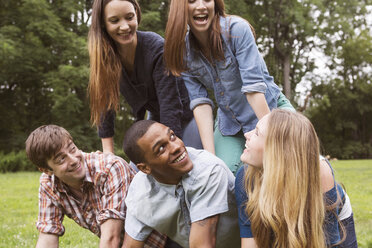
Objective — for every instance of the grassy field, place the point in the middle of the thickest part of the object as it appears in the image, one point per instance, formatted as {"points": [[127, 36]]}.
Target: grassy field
{"points": [[19, 206]]}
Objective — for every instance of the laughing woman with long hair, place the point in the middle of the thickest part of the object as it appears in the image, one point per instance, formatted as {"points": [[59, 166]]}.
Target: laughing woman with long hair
{"points": [[287, 196], [126, 61], [212, 50]]}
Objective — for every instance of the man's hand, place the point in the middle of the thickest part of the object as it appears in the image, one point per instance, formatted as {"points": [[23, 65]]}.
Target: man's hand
{"points": [[129, 242], [47, 240], [111, 230], [203, 232]]}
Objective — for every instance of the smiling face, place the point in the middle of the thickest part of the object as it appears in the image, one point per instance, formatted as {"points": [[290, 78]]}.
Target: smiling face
{"points": [[165, 155], [200, 15], [121, 22], [67, 165], [255, 142]]}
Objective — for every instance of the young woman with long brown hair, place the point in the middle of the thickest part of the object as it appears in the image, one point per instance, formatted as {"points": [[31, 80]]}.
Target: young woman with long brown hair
{"points": [[212, 50], [127, 61], [287, 196]]}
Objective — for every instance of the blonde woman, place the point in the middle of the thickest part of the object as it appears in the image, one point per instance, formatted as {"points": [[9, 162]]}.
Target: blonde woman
{"points": [[287, 196]]}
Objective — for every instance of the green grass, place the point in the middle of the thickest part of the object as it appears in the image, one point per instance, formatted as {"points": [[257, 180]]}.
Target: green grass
{"points": [[19, 207], [18, 214], [356, 176]]}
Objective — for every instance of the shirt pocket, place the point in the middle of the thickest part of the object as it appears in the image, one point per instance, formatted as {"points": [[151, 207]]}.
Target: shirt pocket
{"points": [[203, 76], [229, 74]]}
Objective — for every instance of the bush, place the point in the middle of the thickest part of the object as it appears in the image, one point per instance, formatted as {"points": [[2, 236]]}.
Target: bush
{"points": [[15, 161]]}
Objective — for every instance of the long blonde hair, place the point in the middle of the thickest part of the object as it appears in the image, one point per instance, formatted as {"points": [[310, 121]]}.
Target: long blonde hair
{"points": [[175, 32], [286, 205], [105, 64]]}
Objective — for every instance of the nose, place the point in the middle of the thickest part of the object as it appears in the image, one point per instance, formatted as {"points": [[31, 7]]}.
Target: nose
{"points": [[201, 4], [248, 135], [124, 25], [175, 146], [73, 158]]}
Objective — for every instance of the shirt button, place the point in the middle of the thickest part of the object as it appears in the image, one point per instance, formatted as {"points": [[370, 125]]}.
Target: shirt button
{"points": [[217, 79], [227, 107], [233, 116], [222, 93]]}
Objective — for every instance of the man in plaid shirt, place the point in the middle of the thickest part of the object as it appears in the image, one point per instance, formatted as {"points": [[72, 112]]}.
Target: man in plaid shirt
{"points": [[89, 188]]}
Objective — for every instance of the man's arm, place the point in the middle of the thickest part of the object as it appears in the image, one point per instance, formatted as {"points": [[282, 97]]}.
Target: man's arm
{"points": [[203, 232], [110, 233], [47, 240], [129, 242]]}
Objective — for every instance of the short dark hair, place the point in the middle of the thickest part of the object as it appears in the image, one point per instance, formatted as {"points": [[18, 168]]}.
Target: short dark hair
{"points": [[130, 143], [44, 142]]}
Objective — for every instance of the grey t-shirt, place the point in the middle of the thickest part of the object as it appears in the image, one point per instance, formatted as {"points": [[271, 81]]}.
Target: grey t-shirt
{"points": [[208, 190]]}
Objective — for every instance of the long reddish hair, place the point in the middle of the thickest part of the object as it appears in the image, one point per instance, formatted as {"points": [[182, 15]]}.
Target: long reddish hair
{"points": [[105, 65], [175, 32]]}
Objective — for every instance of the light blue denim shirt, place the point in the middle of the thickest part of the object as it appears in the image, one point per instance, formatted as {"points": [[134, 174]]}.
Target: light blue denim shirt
{"points": [[242, 71]]}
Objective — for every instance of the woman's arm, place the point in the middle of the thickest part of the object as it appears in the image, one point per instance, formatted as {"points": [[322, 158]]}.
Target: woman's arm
{"points": [[258, 103], [108, 145], [204, 120], [248, 243]]}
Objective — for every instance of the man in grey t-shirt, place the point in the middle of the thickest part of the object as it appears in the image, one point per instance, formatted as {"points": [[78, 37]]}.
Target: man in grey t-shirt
{"points": [[184, 193]]}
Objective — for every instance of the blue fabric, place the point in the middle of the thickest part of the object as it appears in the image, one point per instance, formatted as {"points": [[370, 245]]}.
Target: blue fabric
{"points": [[150, 88], [242, 71], [332, 229]]}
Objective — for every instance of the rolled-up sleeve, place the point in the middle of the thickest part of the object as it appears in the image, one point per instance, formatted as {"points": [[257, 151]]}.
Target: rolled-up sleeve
{"points": [[50, 216], [136, 229], [197, 92], [115, 190], [248, 58]]}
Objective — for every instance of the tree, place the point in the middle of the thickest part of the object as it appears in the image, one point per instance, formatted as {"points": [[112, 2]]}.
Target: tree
{"points": [[341, 108], [44, 66], [286, 31]]}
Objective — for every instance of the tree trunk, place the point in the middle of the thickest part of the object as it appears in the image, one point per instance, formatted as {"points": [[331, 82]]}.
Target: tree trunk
{"points": [[286, 80]]}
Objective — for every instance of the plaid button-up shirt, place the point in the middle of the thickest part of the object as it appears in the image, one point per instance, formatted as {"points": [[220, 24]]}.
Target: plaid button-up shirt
{"points": [[104, 191]]}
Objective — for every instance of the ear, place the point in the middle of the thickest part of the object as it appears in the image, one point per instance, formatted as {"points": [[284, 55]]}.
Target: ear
{"points": [[46, 171], [144, 168]]}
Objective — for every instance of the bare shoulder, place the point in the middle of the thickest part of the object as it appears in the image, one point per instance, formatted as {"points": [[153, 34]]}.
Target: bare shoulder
{"points": [[326, 177]]}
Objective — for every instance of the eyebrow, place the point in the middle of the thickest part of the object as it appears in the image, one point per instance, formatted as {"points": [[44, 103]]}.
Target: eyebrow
{"points": [[59, 153], [160, 141]]}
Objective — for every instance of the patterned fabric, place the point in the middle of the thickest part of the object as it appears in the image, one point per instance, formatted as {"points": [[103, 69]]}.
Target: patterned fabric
{"points": [[104, 191]]}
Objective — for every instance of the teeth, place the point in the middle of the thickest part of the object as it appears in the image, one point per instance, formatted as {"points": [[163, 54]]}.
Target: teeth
{"points": [[201, 16], [246, 146], [180, 158]]}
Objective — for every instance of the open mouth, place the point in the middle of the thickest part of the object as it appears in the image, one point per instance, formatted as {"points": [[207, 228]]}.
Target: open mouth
{"points": [[203, 18], [179, 158]]}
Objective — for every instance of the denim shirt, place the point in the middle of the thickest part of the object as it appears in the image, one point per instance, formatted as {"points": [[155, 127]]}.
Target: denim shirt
{"points": [[242, 71]]}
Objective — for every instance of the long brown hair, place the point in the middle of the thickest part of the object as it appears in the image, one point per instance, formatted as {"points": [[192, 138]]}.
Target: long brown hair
{"points": [[105, 65], [175, 32], [286, 205]]}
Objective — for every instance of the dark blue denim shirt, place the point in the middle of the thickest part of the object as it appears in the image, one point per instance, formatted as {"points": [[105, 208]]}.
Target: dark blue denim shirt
{"points": [[242, 71], [150, 88]]}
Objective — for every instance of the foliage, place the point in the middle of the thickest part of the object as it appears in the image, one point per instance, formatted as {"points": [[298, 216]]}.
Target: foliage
{"points": [[15, 161], [341, 104], [44, 65]]}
